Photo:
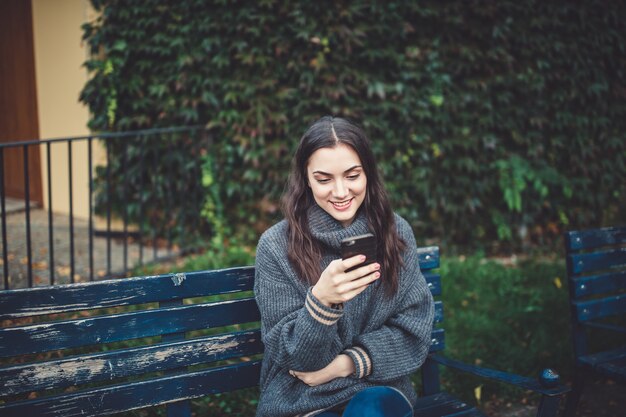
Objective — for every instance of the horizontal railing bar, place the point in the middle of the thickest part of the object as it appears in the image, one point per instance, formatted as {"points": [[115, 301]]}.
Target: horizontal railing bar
{"points": [[103, 135]]}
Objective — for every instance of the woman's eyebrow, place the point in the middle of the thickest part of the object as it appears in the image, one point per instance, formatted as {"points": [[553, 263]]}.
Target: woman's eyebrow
{"points": [[330, 175]]}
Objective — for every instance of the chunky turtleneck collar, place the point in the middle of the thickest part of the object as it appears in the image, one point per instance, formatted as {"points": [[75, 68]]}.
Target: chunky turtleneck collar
{"points": [[329, 231]]}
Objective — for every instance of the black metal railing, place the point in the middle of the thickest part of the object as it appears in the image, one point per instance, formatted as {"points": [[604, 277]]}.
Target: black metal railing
{"points": [[143, 202]]}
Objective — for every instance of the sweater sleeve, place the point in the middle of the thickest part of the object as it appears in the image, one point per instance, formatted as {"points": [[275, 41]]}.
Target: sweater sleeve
{"points": [[399, 347], [298, 331]]}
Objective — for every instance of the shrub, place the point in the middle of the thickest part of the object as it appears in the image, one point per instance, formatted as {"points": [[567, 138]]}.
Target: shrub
{"points": [[492, 120]]}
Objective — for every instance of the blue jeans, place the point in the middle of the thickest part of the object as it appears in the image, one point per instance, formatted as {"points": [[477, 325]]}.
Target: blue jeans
{"points": [[375, 402]]}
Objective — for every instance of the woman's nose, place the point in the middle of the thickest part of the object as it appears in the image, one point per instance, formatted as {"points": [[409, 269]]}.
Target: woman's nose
{"points": [[340, 189]]}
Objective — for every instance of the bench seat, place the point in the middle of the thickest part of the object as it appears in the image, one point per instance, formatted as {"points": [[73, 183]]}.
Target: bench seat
{"points": [[444, 404], [611, 363]]}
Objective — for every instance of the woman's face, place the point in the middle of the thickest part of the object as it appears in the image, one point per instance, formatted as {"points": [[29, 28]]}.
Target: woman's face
{"points": [[338, 181]]}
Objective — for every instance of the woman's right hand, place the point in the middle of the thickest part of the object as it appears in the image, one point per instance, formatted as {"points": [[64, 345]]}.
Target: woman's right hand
{"points": [[337, 286]]}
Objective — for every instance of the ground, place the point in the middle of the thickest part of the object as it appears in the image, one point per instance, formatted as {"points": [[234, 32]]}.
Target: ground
{"points": [[601, 398]]}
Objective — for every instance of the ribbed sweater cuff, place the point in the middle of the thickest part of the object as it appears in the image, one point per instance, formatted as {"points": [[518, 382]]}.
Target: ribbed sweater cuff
{"points": [[320, 312], [361, 359]]}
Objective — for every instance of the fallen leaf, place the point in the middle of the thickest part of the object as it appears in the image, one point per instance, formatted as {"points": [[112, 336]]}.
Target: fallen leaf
{"points": [[478, 392]]}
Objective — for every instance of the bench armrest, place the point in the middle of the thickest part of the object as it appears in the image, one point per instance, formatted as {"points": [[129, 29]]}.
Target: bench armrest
{"points": [[550, 387]]}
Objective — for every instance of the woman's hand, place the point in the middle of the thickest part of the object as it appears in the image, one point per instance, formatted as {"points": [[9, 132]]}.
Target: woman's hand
{"points": [[337, 286], [341, 367]]}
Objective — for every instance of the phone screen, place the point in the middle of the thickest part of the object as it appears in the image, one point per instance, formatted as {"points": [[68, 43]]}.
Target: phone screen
{"points": [[359, 245]]}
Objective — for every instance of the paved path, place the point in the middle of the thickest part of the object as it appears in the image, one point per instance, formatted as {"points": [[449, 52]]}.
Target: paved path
{"points": [[18, 259]]}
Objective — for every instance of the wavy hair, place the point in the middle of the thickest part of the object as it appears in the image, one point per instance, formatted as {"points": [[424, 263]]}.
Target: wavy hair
{"points": [[304, 252]]}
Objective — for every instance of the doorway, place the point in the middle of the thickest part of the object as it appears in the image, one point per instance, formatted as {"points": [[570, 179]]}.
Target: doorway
{"points": [[18, 101]]}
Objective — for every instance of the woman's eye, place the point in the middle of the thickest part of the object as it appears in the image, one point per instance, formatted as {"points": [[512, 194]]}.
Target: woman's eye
{"points": [[353, 177], [322, 180]]}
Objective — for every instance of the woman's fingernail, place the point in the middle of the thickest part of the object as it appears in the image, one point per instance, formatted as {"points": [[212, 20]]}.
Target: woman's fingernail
{"points": [[363, 257], [377, 274]]}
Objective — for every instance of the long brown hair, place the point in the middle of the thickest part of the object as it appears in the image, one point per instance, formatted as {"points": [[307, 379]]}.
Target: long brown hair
{"points": [[304, 252]]}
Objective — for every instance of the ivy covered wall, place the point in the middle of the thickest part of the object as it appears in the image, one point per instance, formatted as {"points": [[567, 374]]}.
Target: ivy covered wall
{"points": [[492, 120]]}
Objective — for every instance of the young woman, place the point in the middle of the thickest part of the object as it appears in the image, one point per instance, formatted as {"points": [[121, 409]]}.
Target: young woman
{"points": [[336, 341]]}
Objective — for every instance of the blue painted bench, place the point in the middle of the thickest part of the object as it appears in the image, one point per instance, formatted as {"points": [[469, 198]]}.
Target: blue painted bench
{"points": [[596, 269], [101, 348]]}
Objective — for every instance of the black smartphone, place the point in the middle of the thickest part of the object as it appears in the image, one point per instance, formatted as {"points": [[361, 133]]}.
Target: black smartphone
{"points": [[359, 245]]}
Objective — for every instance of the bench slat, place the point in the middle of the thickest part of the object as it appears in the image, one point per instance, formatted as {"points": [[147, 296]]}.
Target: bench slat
{"points": [[89, 368], [98, 330], [438, 340], [443, 404], [587, 262], [438, 312], [598, 284], [600, 308], [589, 239], [122, 292], [434, 282], [124, 397], [140, 290], [428, 257]]}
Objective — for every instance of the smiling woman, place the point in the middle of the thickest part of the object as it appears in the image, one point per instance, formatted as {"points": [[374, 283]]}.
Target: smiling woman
{"points": [[340, 336]]}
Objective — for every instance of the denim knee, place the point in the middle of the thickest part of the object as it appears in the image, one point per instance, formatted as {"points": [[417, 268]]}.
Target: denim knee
{"points": [[379, 402]]}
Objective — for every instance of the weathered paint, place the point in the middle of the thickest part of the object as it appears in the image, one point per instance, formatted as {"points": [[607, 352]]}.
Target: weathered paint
{"points": [[117, 327], [133, 395], [122, 292], [178, 279], [139, 360]]}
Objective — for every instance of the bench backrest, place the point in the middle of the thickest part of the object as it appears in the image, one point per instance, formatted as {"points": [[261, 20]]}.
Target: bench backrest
{"points": [[105, 347], [596, 269]]}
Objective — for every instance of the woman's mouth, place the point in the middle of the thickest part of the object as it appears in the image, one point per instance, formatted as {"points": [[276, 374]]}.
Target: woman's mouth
{"points": [[342, 205]]}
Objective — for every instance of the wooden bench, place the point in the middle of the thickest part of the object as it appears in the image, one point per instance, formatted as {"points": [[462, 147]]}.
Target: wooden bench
{"points": [[101, 348], [596, 269]]}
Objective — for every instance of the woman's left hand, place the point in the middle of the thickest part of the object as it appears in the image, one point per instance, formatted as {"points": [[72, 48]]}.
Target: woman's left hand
{"points": [[341, 367]]}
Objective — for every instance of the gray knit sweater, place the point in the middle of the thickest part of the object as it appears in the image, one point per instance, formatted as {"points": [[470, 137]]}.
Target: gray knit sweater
{"points": [[387, 339]]}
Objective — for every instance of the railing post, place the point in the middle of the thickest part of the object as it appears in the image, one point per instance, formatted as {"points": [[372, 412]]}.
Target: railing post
{"points": [[29, 250], [71, 197], [50, 217], [108, 191], [90, 174]]}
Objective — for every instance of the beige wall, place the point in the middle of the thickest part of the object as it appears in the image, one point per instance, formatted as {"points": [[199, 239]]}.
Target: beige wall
{"points": [[59, 56]]}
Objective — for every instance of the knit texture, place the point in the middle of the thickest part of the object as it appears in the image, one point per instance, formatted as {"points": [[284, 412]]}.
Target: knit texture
{"points": [[387, 338]]}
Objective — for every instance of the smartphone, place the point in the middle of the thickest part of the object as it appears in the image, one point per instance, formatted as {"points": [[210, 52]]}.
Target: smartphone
{"points": [[359, 245]]}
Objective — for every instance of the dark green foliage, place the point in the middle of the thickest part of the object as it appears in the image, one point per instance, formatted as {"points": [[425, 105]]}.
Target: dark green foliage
{"points": [[491, 119], [154, 181]]}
